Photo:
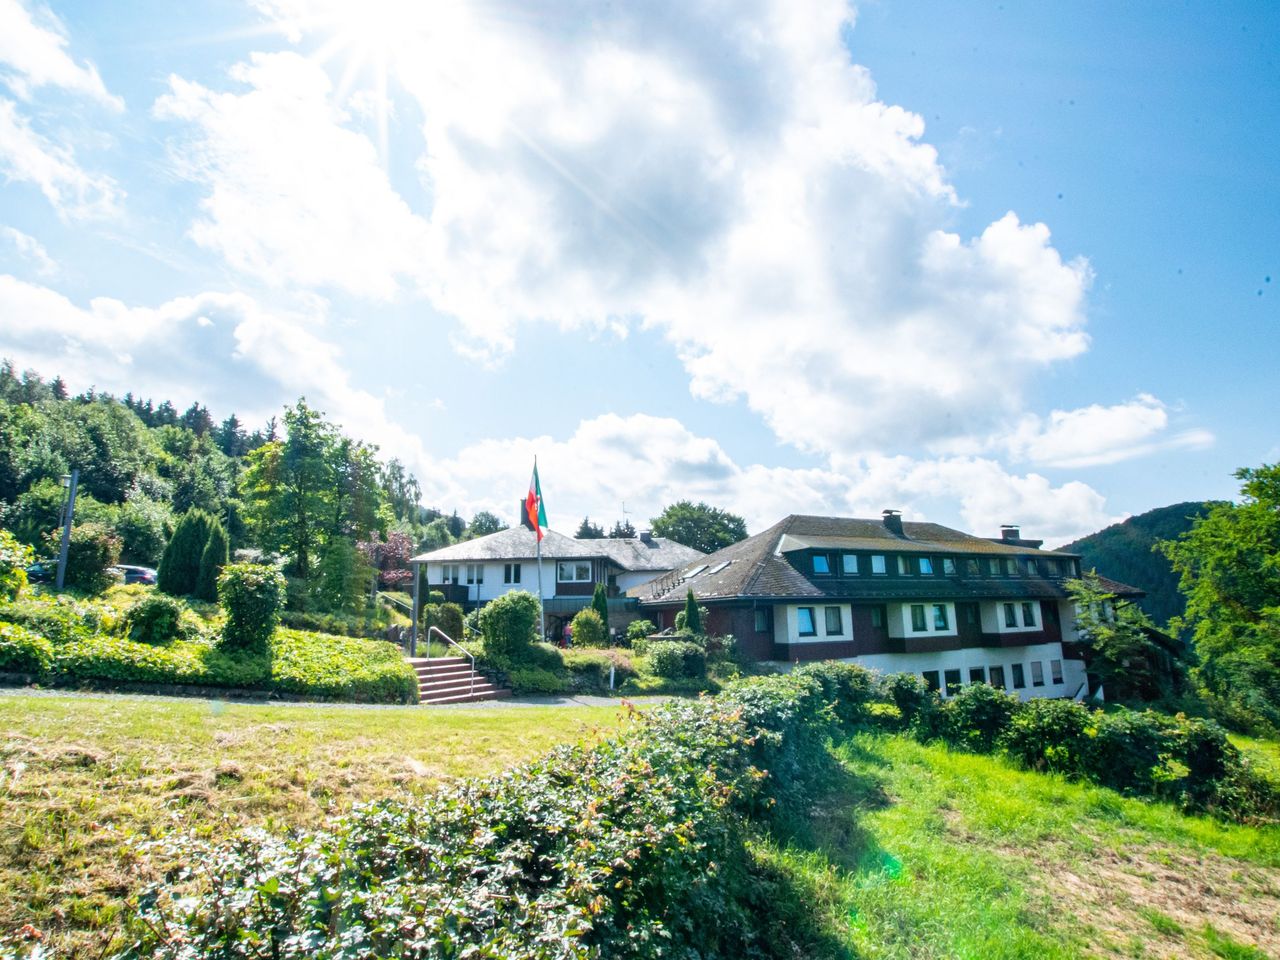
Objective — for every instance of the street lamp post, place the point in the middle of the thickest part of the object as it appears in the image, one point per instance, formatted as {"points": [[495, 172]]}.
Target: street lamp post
{"points": [[70, 481]]}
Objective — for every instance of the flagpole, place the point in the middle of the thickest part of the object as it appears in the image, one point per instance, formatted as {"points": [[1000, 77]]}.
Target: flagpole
{"points": [[542, 613]]}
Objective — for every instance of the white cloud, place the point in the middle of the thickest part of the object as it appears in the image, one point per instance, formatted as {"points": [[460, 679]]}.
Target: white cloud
{"points": [[30, 249], [295, 197], [27, 156], [1097, 434], [33, 53]]}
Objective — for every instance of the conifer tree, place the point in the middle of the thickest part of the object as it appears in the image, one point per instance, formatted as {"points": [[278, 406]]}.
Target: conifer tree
{"points": [[213, 558], [600, 603], [692, 616], [180, 565]]}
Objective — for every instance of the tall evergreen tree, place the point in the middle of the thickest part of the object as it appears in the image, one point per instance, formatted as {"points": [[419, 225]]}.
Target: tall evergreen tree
{"points": [[180, 564], [588, 530], [692, 615], [215, 556], [600, 603]]}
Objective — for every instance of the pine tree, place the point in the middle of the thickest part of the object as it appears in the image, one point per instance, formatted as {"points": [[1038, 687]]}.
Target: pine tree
{"points": [[216, 554], [600, 603], [180, 565], [692, 616]]}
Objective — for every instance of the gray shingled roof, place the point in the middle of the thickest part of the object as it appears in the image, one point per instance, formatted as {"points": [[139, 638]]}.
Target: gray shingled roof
{"points": [[519, 543], [756, 568]]}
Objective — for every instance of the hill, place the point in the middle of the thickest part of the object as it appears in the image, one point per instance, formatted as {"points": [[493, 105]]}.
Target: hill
{"points": [[1123, 552]]}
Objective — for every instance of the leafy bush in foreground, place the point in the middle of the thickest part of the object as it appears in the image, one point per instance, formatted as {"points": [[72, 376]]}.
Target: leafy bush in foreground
{"points": [[156, 618], [588, 629], [976, 716], [674, 659], [22, 651], [252, 595], [341, 668], [507, 625], [91, 552], [15, 557]]}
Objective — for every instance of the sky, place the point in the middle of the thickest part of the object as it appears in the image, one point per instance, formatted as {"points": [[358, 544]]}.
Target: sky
{"points": [[985, 263]]}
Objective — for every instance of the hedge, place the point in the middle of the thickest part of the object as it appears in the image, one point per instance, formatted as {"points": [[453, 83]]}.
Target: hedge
{"points": [[675, 659], [341, 668], [23, 651]]}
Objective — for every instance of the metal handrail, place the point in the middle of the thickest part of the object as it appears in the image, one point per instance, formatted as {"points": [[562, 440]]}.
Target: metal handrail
{"points": [[465, 652]]}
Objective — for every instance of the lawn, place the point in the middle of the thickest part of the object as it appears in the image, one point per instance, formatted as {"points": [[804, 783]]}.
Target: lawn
{"points": [[85, 780], [922, 852]]}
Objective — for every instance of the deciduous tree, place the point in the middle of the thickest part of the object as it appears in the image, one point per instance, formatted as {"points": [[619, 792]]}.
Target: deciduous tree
{"points": [[700, 526]]}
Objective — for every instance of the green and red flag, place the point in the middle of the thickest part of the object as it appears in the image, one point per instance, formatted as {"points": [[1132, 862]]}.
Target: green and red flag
{"points": [[533, 508]]}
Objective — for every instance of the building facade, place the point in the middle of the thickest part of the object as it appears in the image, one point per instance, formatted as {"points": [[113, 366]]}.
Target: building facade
{"points": [[894, 596]]}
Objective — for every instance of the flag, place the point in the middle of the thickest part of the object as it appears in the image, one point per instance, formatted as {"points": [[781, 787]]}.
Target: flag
{"points": [[533, 508]]}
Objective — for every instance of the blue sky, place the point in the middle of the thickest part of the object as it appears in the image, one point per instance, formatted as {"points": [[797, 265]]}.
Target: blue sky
{"points": [[985, 263]]}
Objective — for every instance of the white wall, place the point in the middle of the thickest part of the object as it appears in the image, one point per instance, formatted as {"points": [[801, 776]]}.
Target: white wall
{"points": [[992, 614], [969, 657], [493, 586], [899, 622], [634, 578], [786, 623]]}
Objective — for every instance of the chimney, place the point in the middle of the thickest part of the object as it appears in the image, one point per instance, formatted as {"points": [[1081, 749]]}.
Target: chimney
{"points": [[523, 514], [646, 536], [893, 522], [1010, 531]]}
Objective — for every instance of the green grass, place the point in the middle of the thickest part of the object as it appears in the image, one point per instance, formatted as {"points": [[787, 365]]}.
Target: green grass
{"points": [[928, 853], [85, 780]]}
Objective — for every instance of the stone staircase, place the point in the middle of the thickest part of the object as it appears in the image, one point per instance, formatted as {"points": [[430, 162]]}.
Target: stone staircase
{"points": [[452, 680]]}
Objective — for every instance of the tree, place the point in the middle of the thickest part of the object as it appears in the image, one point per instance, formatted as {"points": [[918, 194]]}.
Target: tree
{"points": [[699, 526], [485, 523], [252, 595], [92, 550], [1123, 650], [215, 556], [692, 615], [180, 564], [508, 625], [588, 530], [588, 629], [600, 603], [14, 559], [1229, 569], [622, 530], [435, 535]]}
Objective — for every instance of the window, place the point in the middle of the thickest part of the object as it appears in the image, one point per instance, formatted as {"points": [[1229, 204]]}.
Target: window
{"points": [[1037, 674], [1028, 615], [926, 567], [1011, 566], [1055, 667], [849, 564], [511, 573], [917, 617], [977, 674], [953, 682], [970, 614], [971, 567], [948, 567], [931, 680], [904, 567], [877, 563], [762, 620], [573, 571], [804, 617], [1029, 566], [719, 566], [821, 565], [940, 619], [1010, 615], [993, 566], [475, 573], [835, 622], [997, 677], [1019, 676], [877, 617], [449, 573]]}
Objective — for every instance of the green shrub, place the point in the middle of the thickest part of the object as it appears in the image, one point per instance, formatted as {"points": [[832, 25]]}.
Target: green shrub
{"points": [[326, 667], [252, 594], [157, 618], [850, 689], [180, 564], [536, 680], [15, 557], [508, 626], [690, 619], [24, 651], [589, 669], [446, 616], [917, 705], [675, 658], [215, 556], [639, 630], [60, 619], [1048, 735], [588, 629], [91, 553], [339, 624], [600, 604], [976, 716]]}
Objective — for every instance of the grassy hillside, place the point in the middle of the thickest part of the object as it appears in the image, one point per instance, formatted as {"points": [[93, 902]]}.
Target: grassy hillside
{"points": [[1123, 552], [84, 781], [923, 852]]}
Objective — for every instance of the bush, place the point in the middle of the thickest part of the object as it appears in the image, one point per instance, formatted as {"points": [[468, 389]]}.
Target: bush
{"points": [[341, 668], [157, 618], [252, 594], [339, 624], [508, 626], [588, 629], [1048, 735], [976, 716], [60, 619], [850, 689], [24, 651], [216, 553], [15, 557], [917, 705], [600, 604], [91, 553], [536, 680], [639, 630], [589, 669], [180, 564], [691, 618], [446, 616], [674, 659]]}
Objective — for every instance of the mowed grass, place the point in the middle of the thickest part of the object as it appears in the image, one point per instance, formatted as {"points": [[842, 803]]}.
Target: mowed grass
{"points": [[85, 781], [921, 852]]}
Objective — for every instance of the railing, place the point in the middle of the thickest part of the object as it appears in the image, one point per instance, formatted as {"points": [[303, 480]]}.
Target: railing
{"points": [[465, 652]]}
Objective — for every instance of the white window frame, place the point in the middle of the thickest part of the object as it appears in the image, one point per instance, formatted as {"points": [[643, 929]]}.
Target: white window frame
{"points": [[1037, 673], [926, 566], [849, 564], [578, 566], [826, 621], [450, 573], [948, 567], [475, 574], [1055, 672], [878, 566], [813, 622], [1029, 607], [511, 572]]}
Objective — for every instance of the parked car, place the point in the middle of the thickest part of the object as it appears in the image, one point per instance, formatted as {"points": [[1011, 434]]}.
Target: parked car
{"points": [[132, 574], [45, 571]]}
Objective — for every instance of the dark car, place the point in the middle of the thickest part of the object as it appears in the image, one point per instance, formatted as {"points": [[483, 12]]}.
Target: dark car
{"points": [[42, 572], [133, 574]]}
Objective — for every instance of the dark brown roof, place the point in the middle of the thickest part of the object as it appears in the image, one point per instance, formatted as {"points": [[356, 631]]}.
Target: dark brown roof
{"points": [[757, 568]]}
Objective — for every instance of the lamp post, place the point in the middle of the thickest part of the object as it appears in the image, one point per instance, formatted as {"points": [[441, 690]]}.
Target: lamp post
{"points": [[70, 481]]}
